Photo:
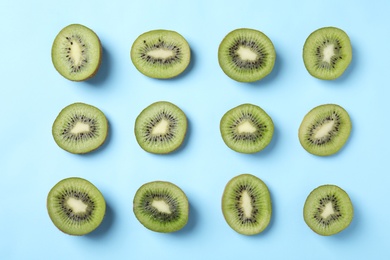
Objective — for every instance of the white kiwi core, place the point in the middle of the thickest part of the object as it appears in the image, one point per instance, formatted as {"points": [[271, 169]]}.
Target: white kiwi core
{"points": [[161, 206], [80, 127], [246, 53], [76, 205], [161, 127]]}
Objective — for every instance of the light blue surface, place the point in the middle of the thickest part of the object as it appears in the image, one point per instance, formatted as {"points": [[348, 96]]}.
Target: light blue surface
{"points": [[33, 93]]}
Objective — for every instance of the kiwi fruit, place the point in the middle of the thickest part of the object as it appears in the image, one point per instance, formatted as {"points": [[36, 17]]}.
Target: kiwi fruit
{"points": [[76, 52], [161, 128], [328, 210], [80, 128], [246, 204], [246, 128], [160, 54], [161, 206], [76, 206], [246, 55], [327, 53], [325, 129]]}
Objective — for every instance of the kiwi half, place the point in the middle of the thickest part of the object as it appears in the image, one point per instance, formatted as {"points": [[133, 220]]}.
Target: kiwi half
{"points": [[325, 129], [246, 55], [246, 204], [160, 54], [328, 210], [161, 206], [76, 206], [327, 53], [76, 52], [246, 128], [80, 128], [161, 128]]}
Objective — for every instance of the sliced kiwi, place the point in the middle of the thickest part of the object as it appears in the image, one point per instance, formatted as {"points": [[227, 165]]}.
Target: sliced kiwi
{"points": [[76, 206], [80, 128], [161, 206], [325, 129], [246, 204], [327, 53], [161, 54], [246, 128], [161, 128], [246, 55], [76, 52], [328, 210]]}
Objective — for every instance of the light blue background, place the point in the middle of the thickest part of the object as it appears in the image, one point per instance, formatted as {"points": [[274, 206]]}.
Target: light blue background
{"points": [[33, 93]]}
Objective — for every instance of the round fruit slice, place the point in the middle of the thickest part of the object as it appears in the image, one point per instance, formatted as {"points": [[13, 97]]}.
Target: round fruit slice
{"points": [[325, 129], [161, 206], [160, 54], [160, 128], [76, 52], [246, 128], [246, 204], [246, 55], [328, 210], [76, 206], [80, 128], [327, 53]]}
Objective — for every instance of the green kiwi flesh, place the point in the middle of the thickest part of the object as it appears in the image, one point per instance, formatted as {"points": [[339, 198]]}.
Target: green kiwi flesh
{"points": [[80, 128], [76, 206], [160, 54], [246, 204], [327, 53], [161, 206], [76, 52], [328, 210], [246, 55], [161, 128], [246, 128], [325, 129]]}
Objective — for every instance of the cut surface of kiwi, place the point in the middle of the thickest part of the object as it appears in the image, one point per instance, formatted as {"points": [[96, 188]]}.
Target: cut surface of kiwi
{"points": [[161, 128], [76, 206], [325, 129], [76, 52], [328, 210], [327, 53], [80, 128], [246, 204], [246, 55], [160, 54], [161, 206], [246, 128]]}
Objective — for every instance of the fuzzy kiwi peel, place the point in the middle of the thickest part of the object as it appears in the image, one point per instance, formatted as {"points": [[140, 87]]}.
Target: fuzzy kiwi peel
{"points": [[76, 206], [328, 210], [161, 206], [246, 128], [161, 127], [325, 129], [327, 53], [80, 128], [77, 52], [246, 204], [160, 54], [246, 55]]}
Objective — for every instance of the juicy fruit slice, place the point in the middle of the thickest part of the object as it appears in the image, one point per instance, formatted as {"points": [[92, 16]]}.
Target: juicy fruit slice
{"points": [[76, 206], [161, 206], [328, 210], [80, 128], [161, 54], [76, 52], [246, 55], [161, 128], [246, 204], [246, 128], [327, 53], [325, 129]]}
